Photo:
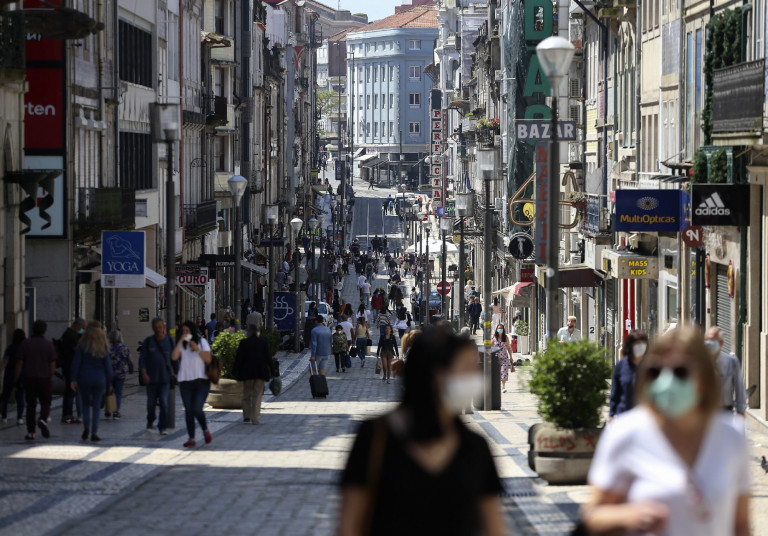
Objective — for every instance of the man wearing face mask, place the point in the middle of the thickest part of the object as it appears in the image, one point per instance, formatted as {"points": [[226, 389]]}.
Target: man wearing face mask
{"points": [[731, 380], [569, 333], [625, 373]]}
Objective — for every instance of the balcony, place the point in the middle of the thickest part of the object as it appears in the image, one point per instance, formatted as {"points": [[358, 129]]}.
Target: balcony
{"points": [[101, 209], [12, 41], [216, 111], [200, 219]]}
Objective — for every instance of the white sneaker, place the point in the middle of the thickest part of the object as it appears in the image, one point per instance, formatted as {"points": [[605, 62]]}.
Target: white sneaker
{"points": [[20, 422]]}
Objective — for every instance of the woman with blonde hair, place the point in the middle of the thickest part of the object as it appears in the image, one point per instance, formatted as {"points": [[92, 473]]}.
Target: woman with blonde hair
{"points": [[676, 463], [92, 375]]}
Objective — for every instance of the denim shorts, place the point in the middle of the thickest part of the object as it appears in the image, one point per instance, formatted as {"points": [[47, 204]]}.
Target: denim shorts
{"points": [[321, 361]]}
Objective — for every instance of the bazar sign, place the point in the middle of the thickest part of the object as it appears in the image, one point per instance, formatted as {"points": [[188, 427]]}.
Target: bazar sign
{"points": [[542, 130], [722, 204], [652, 211]]}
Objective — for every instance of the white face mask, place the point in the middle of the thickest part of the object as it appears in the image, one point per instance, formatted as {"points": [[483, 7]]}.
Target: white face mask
{"points": [[459, 391], [712, 345], [638, 350]]}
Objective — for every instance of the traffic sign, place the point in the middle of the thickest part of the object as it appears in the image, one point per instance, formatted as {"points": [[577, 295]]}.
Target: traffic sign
{"points": [[693, 236], [521, 245], [444, 290]]}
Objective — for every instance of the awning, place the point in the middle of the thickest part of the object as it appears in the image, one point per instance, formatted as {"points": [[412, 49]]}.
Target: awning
{"points": [[502, 291], [374, 162], [194, 292], [571, 275], [322, 190], [254, 268], [520, 295], [359, 153], [153, 279], [365, 158]]}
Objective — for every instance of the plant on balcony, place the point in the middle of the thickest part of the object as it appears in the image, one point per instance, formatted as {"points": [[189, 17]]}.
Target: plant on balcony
{"points": [[718, 171], [699, 167]]}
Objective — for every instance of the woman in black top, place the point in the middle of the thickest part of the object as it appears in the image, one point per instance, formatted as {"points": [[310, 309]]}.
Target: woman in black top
{"points": [[420, 460], [387, 351]]}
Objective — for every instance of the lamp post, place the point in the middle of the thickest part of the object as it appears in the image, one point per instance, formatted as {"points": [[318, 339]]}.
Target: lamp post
{"points": [[296, 224], [165, 127], [555, 55], [487, 169], [237, 186], [333, 219], [313, 223], [463, 210], [271, 215], [446, 224], [426, 273]]}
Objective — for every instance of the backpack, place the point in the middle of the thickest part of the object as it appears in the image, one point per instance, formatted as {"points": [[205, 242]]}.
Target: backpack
{"points": [[339, 343]]}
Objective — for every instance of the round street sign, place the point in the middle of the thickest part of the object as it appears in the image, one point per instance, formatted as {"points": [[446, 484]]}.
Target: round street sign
{"points": [[693, 236], [444, 291], [521, 245]]}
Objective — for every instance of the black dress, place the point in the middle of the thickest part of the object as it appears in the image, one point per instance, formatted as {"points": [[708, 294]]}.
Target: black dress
{"points": [[413, 500]]}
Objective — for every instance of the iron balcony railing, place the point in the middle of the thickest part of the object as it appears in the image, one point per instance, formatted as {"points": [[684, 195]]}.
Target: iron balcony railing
{"points": [[105, 209], [200, 218]]}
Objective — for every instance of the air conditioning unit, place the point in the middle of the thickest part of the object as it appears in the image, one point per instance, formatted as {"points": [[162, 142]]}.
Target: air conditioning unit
{"points": [[574, 88]]}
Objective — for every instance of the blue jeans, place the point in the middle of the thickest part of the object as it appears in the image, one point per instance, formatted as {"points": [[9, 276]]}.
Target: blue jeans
{"points": [[362, 347], [91, 394], [117, 387], [70, 396], [155, 392], [193, 395], [8, 381]]}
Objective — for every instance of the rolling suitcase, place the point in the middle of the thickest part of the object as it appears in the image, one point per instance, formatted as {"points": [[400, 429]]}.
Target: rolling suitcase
{"points": [[317, 382]]}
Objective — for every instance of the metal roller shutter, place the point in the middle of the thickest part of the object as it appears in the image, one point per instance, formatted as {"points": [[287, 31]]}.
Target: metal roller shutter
{"points": [[723, 305]]}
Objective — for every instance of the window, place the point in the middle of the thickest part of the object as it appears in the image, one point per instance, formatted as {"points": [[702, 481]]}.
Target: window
{"points": [[367, 129], [375, 130], [368, 101], [375, 101], [219, 9], [136, 55], [383, 101], [383, 73], [414, 72], [414, 44], [360, 76], [219, 77], [391, 73], [391, 128], [220, 153], [414, 100], [383, 129], [414, 127], [360, 102], [391, 100], [136, 161], [375, 74], [671, 304], [173, 48], [367, 74]]}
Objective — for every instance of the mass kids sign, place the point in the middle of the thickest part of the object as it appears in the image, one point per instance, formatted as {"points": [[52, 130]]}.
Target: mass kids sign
{"points": [[652, 211]]}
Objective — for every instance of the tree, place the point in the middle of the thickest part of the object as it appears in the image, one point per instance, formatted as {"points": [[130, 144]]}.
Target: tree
{"points": [[325, 105]]}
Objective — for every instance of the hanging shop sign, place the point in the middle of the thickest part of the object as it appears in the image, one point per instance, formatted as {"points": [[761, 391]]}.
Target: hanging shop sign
{"points": [[626, 265], [720, 204], [542, 130], [652, 211], [542, 201], [191, 274], [123, 258]]}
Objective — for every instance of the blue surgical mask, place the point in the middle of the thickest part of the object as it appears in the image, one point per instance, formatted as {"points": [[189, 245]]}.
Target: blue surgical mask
{"points": [[80, 331], [712, 345], [499, 331], [672, 396]]}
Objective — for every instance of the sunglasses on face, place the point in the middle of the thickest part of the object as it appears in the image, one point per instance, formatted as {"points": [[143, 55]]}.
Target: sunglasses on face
{"points": [[681, 372]]}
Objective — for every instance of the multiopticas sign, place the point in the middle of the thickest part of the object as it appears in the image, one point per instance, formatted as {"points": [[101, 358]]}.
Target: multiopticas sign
{"points": [[652, 210]]}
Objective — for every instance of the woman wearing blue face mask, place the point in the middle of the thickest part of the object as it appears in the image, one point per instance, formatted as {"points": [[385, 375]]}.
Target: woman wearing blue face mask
{"points": [[675, 464], [442, 474], [503, 343], [624, 374]]}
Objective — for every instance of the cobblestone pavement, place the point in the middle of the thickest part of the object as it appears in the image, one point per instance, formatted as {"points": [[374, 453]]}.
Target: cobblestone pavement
{"points": [[277, 478]]}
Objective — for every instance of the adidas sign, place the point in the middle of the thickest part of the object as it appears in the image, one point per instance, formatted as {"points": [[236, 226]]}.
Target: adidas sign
{"points": [[712, 206]]}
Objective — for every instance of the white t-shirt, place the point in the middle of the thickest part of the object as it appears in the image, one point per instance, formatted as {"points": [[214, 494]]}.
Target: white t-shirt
{"points": [[366, 288], [192, 366], [348, 328], [360, 280], [635, 459], [564, 336]]}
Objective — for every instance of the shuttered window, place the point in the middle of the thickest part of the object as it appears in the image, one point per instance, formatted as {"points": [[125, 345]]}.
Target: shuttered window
{"points": [[723, 311]]}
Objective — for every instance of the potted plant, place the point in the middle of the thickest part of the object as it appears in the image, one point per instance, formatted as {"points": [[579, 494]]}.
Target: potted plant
{"points": [[522, 331], [228, 394], [570, 381], [578, 200]]}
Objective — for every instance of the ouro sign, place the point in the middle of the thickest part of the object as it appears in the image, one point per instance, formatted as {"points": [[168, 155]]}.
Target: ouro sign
{"points": [[720, 204]]}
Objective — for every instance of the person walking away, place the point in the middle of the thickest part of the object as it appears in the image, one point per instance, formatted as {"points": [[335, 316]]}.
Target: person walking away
{"points": [[255, 318], [253, 367], [210, 327], [310, 322], [363, 313], [361, 339], [92, 376], [387, 350], [383, 320], [496, 312], [569, 333], [376, 303], [675, 464], [348, 328], [10, 385], [734, 394], [622, 397], [120, 357], [402, 321], [194, 353], [155, 370], [320, 345], [474, 310], [37, 365], [366, 289], [67, 347], [503, 343], [339, 348], [424, 454]]}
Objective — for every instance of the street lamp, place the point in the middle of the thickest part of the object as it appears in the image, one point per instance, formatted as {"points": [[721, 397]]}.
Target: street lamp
{"points": [[463, 210], [313, 223], [296, 224], [487, 168], [271, 217], [165, 128], [333, 218], [555, 54], [446, 225], [237, 185], [427, 228]]}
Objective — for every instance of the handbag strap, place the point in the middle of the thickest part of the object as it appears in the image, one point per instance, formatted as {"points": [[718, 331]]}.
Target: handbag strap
{"points": [[375, 463]]}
